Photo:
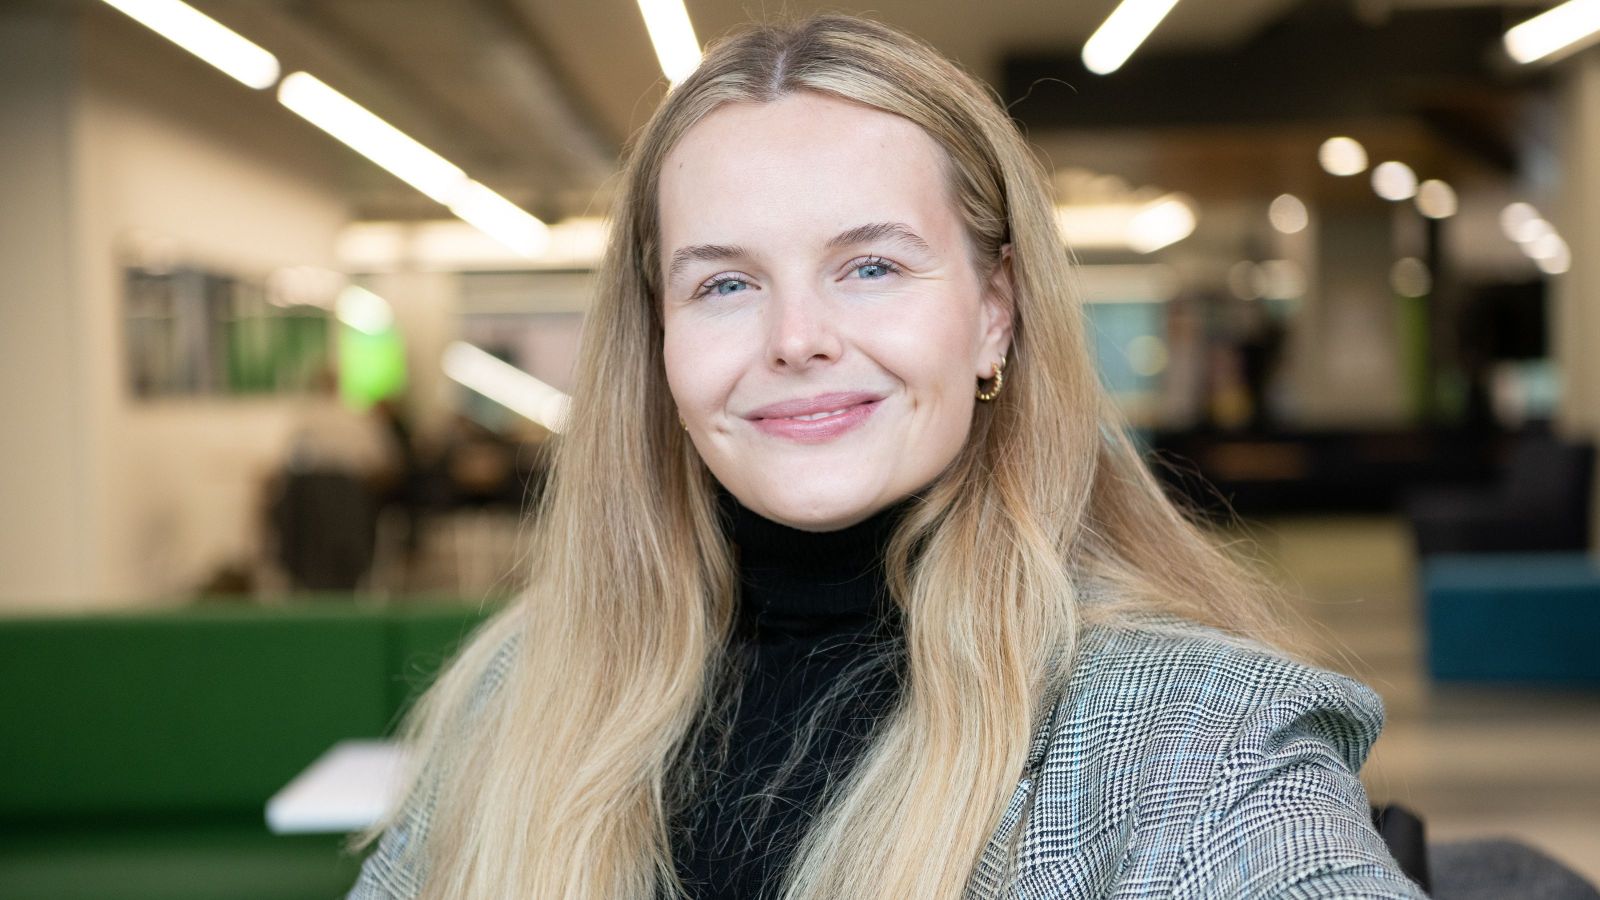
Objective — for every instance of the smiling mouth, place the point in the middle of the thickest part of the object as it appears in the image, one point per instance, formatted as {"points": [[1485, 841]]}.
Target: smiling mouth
{"points": [[811, 409], [821, 426], [821, 415]]}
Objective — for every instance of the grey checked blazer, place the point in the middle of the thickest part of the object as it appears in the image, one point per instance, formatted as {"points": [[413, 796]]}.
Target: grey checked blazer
{"points": [[1178, 762]]}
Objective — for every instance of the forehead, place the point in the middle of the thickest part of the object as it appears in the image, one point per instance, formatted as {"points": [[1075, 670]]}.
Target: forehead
{"points": [[803, 165]]}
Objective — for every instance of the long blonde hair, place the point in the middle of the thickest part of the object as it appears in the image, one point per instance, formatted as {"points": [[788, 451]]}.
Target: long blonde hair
{"points": [[557, 779]]}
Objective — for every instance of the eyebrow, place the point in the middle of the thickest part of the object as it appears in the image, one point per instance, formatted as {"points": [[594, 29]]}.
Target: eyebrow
{"points": [[879, 231], [861, 234]]}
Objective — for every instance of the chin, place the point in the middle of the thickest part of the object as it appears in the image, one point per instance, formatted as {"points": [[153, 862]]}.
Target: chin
{"points": [[821, 509]]}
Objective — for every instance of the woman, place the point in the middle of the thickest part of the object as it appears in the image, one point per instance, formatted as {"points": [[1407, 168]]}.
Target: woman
{"points": [[849, 583]]}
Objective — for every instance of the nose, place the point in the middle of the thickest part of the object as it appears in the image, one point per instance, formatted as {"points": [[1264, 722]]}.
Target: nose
{"points": [[802, 330]]}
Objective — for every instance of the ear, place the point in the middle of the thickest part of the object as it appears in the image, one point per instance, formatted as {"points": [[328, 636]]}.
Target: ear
{"points": [[998, 310]]}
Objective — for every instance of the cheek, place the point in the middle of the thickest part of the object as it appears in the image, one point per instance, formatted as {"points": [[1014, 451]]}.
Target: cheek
{"points": [[698, 376], [935, 355], [670, 360], [680, 370]]}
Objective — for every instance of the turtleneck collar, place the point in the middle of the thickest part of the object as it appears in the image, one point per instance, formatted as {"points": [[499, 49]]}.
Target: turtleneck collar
{"points": [[805, 582]]}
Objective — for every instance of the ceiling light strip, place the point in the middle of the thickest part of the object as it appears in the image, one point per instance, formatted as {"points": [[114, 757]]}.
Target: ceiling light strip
{"points": [[1122, 32], [672, 35], [505, 384], [1562, 28], [413, 163], [206, 38], [371, 136], [501, 219]]}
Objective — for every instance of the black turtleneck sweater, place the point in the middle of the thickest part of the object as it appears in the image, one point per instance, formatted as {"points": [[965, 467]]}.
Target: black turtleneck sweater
{"points": [[813, 614]]}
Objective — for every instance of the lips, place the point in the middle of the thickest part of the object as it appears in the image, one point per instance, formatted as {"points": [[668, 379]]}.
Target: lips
{"points": [[815, 420], [813, 406]]}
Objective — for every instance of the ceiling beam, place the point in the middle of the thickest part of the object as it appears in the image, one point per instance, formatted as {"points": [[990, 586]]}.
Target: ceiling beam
{"points": [[310, 36], [521, 67]]}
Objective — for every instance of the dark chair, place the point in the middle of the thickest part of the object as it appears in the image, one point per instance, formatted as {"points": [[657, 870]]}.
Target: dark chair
{"points": [[1492, 869], [1402, 831], [326, 524], [1496, 869], [1541, 504]]}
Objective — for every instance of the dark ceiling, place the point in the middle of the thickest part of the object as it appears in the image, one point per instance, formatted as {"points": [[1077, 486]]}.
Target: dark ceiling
{"points": [[536, 98]]}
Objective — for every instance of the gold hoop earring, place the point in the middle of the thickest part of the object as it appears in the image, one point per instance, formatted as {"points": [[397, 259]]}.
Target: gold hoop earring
{"points": [[999, 382]]}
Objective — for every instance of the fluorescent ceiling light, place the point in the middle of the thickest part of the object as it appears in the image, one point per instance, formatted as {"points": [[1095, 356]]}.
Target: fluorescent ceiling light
{"points": [[413, 163], [672, 35], [1394, 181], [1342, 156], [1096, 226], [1538, 239], [1548, 246], [1143, 227], [1515, 217], [364, 311], [454, 245], [1121, 33], [371, 136], [1161, 222], [1288, 214], [506, 385], [1532, 231], [501, 219], [1437, 199], [206, 38], [1558, 264], [1560, 30]]}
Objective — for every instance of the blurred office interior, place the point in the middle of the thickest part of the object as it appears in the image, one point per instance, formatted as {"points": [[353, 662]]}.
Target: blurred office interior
{"points": [[266, 397]]}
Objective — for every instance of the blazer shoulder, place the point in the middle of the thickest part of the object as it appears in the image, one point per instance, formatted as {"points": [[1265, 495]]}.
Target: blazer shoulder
{"points": [[1157, 666], [1199, 764], [1162, 684], [1161, 723]]}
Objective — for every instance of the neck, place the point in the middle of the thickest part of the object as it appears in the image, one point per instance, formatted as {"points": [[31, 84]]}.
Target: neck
{"points": [[802, 582]]}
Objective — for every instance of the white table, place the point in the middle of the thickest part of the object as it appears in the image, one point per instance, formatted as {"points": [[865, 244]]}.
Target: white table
{"points": [[346, 789]]}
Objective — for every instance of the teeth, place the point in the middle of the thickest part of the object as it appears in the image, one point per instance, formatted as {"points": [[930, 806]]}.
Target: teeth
{"points": [[815, 416]]}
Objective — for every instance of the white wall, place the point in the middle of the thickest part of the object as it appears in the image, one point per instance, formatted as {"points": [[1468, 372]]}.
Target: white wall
{"points": [[171, 148], [42, 423], [132, 502]]}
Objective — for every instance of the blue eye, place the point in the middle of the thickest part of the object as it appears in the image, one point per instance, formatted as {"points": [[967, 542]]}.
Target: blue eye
{"points": [[722, 286], [874, 269]]}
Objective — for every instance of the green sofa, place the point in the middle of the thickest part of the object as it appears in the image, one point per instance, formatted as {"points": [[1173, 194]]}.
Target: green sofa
{"points": [[138, 751]]}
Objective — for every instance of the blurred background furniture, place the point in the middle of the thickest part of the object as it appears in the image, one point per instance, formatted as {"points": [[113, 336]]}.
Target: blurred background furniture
{"points": [[1497, 869], [1540, 503], [141, 749], [1532, 617], [1406, 837], [326, 524], [1281, 471]]}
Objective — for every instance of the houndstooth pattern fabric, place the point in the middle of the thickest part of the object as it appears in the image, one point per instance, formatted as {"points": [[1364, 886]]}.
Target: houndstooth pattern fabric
{"points": [[1178, 762], [1184, 763]]}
